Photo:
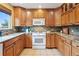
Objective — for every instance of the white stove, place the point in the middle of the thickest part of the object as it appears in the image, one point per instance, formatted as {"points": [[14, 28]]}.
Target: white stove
{"points": [[39, 40]]}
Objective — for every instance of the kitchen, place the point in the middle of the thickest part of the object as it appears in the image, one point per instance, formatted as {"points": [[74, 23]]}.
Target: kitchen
{"points": [[31, 29]]}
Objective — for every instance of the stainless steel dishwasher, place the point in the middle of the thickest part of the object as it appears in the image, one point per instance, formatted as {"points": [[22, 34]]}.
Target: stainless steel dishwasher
{"points": [[1, 49]]}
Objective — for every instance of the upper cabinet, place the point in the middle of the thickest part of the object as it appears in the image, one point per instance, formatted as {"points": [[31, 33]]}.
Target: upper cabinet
{"points": [[50, 18], [58, 13], [38, 13], [77, 15], [19, 16], [70, 14], [29, 17]]}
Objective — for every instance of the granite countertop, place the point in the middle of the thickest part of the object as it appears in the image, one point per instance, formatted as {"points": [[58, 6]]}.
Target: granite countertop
{"points": [[10, 36], [73, 38]]}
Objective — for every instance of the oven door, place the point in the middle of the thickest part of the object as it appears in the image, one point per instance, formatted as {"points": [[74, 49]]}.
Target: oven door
{"points": [[39, 40]]}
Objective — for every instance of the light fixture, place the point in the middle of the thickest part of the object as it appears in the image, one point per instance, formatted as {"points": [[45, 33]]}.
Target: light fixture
{"points": [[28, 12], [40, 6], [51, 12]]}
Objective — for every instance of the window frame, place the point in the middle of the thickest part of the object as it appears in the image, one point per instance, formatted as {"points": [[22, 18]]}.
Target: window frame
{"points": [[7, 11]]}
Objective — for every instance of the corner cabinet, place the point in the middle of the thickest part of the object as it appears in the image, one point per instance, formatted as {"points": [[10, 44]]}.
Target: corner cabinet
{"points": [[19, 16], [50, 41]]}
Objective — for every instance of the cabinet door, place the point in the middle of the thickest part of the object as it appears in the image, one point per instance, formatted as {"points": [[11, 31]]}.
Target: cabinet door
{"points": [[58, 17], [63, 20], [56, 41], [28, 41], [66, 22], [77, 15], [75, 51], [61, 45], [29, 17], [47, 40], [72, 17], [51, 20], [23, 20], [19, 15], [67, 49], [52, 41], [19, 45], [9, 51]]}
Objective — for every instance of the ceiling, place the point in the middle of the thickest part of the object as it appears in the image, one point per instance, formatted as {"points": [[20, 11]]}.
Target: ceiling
{"points": [[37, 5]]}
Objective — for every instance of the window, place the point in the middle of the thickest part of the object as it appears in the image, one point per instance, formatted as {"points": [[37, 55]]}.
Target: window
{"points": [[5, 20]]}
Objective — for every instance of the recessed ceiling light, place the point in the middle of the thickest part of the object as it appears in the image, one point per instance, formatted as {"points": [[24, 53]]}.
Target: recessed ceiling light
{"points": [[39, 6], [28, 12]]}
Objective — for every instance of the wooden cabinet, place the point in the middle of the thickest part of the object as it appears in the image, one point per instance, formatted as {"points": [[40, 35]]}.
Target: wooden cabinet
{"points": [[9, 51], [19, 45], [47, 40], [50, 41], [28, 42], [77, 15], [67, 49], [50, 21], [57, 16], [63, 19], [56, 40], [75, 51], [66, 18], [29, 17], [59, 42], [61, 45], [19, 16], [14, 46], [39, 13], [72, 16]]}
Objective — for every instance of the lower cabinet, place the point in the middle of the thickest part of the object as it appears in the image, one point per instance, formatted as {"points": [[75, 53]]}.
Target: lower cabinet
{"points": [[67, 49], [61, 44], [50, 41], [14, 46], [9, 51], [47, 40], [75, 51], [28, 41]]}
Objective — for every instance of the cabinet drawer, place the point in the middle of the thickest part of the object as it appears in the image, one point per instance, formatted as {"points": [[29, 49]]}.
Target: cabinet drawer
{"points": [[9, 42], [75, 51]]}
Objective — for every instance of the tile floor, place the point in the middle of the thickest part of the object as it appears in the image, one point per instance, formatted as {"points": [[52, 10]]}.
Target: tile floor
{"points": [[40, 52]]}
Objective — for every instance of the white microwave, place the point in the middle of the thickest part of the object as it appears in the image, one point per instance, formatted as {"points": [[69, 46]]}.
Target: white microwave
{"points": [[39, 21]]}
